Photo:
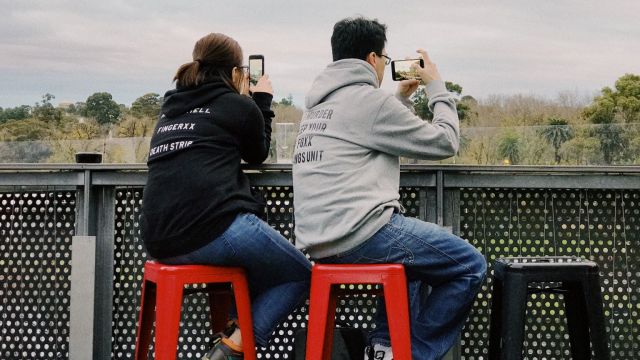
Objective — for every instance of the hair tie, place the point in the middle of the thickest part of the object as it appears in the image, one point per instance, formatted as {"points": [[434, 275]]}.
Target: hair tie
{"points": [[198, 61]]}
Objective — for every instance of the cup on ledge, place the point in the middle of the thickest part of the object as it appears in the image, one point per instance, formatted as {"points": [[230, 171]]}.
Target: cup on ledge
{"points": [[285, 134], [89, 157]]}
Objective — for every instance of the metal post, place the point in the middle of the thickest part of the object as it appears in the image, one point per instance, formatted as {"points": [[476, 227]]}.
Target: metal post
{"points": [[104, 204], [82, 290]]}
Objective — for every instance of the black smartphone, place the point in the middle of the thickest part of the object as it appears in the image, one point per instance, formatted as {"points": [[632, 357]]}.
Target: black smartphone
{"points": [[256, 68], [401, 69]]}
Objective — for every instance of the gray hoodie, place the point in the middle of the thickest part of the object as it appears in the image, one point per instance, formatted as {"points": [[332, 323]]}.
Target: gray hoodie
{"points": [[346, 170]]}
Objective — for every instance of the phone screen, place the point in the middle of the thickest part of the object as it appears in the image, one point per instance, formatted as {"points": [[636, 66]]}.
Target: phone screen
{"points": [[256, 69], [401, 69]]}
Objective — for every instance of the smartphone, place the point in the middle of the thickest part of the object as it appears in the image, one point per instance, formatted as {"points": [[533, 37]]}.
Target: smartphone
{"points": [[401, 69], [256, 68]]}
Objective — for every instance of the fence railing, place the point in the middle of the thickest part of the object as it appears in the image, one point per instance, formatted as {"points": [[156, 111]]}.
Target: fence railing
{"points": [[71, 258]]}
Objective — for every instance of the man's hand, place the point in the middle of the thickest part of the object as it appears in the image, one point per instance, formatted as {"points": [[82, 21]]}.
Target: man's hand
{"points": [[429, 72], [263, 85], [407, 87]]}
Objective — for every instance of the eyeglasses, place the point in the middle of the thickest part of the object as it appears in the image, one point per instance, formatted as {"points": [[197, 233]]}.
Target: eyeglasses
{"points": [[387, 60], [244, 68]]}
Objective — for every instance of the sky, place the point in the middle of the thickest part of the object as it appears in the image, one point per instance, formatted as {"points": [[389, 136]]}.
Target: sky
{"points": [[73, 49]]}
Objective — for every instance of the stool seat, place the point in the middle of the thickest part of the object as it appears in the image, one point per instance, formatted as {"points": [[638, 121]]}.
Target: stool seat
{"points": [[579, 283], [162, 292], [325, 280]]}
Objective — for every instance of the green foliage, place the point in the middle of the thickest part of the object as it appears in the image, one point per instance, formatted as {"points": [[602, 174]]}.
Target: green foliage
{"points": [[101, 107], [421, 102], [556, 133], [610, 109], [16, 113], [45, 111], [147, 105], [509, 148], [288, 101], [613, 142]]}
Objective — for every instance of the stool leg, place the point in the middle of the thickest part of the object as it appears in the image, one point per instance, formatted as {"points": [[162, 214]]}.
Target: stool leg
{"points": [[598, 330], [397, 304], [145, 320], [243, 304], [169, 304], [322, 309], [576, 310], [514, 308], [219, 304], [495, 325]]}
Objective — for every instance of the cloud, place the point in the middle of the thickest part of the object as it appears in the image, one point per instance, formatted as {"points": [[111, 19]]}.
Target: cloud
{"points": [[69, 48]]}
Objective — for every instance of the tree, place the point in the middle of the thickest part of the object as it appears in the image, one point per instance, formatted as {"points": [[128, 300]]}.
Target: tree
{"points": [[509, 148], [288, 101], [102, 107], [609, 111], [556, 133], [45, 111], [147, 105], [421, 102], [17, 113]]}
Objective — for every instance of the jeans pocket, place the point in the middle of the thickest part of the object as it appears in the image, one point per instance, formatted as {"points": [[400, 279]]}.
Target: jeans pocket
{"points": [[402, 253], [228, 246]]}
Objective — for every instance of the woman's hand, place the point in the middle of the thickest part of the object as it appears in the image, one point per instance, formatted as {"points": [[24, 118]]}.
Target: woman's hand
{"points": [[263, 85]]}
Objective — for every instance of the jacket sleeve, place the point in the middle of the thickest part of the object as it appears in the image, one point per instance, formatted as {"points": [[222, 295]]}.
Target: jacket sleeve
{"points": [[397, 130], [256, 137]]}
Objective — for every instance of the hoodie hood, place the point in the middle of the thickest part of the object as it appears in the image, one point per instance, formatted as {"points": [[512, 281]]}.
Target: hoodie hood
{"points": [[182, 100], [339, 74]]}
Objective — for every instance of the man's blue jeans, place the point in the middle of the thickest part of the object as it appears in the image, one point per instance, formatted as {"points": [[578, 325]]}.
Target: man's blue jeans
{"points": [[278, 274], [434, 258]]}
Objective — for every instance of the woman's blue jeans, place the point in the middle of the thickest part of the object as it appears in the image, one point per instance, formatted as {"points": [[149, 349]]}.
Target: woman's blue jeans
{"points": [[433, 258], [278, 274]]}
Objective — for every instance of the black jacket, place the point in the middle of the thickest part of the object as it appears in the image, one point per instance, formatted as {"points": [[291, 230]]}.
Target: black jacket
{"points": [[195, 187]]}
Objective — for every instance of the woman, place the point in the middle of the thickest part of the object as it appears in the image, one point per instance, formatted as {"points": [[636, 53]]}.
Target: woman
{"points": [[198, 207]]}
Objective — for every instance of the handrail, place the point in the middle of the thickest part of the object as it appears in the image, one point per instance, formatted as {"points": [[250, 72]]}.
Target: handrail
{"points": [[510, 169]]}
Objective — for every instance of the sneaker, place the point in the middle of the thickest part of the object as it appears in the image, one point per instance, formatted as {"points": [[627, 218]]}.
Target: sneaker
{"points": [[378, 352], [221, 351], [231, 326]]}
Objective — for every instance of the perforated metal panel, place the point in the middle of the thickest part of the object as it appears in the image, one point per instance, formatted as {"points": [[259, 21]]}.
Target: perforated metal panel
{"points": [[195, 335], [129, 259], [36, 228], [600, 225]]}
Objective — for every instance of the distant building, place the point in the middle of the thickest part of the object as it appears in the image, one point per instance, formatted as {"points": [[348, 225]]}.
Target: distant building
{"points": [[65, 105]]}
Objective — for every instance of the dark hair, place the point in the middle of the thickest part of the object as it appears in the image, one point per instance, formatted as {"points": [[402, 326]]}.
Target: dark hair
{"points": [[214, 55], [357, 37]]}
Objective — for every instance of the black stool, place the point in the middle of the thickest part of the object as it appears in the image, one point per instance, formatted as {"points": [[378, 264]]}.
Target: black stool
{"points": [[579, 282]]}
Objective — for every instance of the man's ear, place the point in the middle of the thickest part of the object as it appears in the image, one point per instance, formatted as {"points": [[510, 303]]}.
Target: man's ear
{"points": [[372, 59]]}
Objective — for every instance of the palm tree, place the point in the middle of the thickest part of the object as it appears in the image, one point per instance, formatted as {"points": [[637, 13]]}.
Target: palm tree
{"points": [[509, 148], [557, 133]]}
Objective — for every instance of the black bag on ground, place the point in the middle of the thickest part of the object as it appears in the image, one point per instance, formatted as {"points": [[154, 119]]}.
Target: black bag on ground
{"points": [[348, 344]]}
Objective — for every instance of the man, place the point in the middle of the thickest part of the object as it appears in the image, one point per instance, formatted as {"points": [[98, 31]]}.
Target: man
{"points": [[346, 179]]}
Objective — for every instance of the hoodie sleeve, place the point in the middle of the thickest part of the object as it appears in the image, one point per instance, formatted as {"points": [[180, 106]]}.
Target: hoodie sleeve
{"points": [[397, 130], [256, 137]]}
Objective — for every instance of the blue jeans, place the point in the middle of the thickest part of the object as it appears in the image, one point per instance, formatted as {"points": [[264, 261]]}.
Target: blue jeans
{"points": [[278, 274], [433, 258]]}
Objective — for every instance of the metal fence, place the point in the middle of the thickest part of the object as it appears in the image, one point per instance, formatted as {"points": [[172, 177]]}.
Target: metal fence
{"points": [[71, 259]]}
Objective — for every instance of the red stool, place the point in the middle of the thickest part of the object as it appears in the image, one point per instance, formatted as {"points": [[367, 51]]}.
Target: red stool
{"points": [[162, 291], [325, 280]]}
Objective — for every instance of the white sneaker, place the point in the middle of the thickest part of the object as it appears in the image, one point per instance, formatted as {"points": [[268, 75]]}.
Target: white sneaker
{"points": [[379, 352]]}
